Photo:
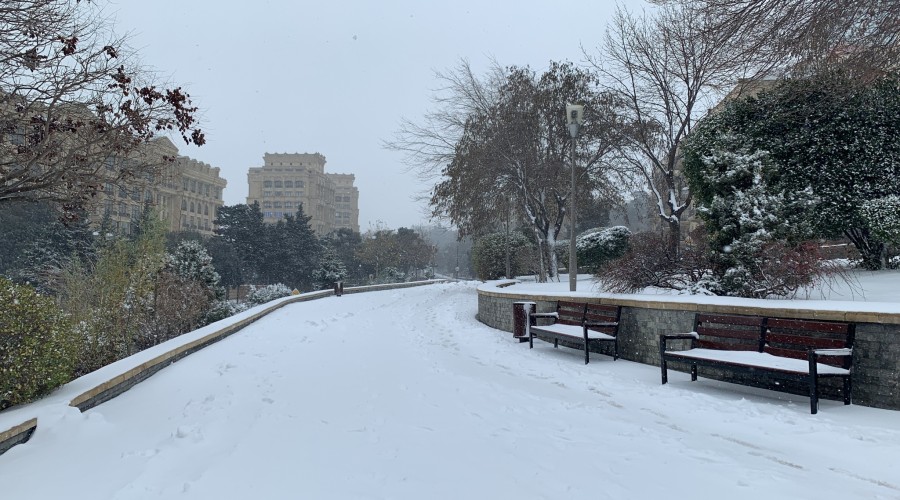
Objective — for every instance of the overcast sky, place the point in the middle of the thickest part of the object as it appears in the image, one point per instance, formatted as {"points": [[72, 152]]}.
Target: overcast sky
{"points": [[336, 77]]}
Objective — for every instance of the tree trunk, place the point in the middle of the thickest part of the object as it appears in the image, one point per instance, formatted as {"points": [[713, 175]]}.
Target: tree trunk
{"points": [[674, 239], [872, 252]]}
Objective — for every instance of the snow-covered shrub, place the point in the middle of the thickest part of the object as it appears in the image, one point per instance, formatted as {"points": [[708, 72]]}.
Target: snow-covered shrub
{"points": [[330, 270], [392, 275], [180, 305], [37, 348], [595, 247], [893, 262], [489, 255], [883, 218], [112, 300], [648, 263], [192, 262], [267, 293], [222, 309]]}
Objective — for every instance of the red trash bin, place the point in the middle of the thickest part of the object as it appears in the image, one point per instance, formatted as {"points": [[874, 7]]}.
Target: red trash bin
{"points": [[521, 310]]}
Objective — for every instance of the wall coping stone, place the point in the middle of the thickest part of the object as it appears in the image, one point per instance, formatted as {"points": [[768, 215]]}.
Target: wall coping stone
{"points": [[706, 304]]}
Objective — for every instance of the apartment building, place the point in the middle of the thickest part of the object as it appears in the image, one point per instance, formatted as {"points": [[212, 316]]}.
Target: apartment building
{"points": [[186, 193], [287, 181], [346, 202]]}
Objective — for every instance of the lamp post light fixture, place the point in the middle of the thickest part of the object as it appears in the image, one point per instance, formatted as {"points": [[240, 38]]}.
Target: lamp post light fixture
{"points": [[574, 119]]}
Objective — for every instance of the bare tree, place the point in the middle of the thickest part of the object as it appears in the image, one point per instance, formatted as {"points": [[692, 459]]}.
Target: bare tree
{"points": [[669, 68], [75, 107], [500, 146], [811, 35]]}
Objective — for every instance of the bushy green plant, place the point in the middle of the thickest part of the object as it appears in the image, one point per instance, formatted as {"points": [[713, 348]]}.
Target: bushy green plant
{"points": [[267, 293], [112, 300], [37, 350], [489, 255], [595, 247], [222, 309]]}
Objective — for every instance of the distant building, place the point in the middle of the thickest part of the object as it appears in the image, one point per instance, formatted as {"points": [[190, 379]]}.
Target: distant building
{"points": [[185, 192], [288, 180]]}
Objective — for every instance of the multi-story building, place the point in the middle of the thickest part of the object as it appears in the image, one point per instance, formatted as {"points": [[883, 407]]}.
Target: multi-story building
{"points": [[287, 181], [346, 202], [186, 193]]}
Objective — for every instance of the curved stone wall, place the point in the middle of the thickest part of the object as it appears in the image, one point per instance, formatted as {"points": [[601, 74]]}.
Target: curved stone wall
{"points": [[876, 352]]}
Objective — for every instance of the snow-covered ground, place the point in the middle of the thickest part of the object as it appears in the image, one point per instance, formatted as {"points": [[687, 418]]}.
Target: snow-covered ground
{"points": [[402, 394]]}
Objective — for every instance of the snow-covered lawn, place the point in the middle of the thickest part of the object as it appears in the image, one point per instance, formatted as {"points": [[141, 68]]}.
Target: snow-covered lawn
{"points": [[404, 395]]}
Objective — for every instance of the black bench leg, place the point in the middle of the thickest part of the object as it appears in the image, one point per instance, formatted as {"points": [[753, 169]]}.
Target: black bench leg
{"points": [[693, 372], [847, 389], [662, 359], [813, 384], [616, 349], [555, 343], [587, 356]]}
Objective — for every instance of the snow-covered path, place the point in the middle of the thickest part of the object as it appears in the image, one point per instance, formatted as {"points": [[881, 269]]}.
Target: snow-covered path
{"points": [[403, 394]]}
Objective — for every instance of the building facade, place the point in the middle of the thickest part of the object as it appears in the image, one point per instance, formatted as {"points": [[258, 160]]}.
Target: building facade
{"points": [[346, 202], [185, 193], [287, 181]]}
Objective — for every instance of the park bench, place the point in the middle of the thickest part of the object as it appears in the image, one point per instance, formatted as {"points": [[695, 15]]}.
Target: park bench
{"points": [[577, 325], [767, 349]]}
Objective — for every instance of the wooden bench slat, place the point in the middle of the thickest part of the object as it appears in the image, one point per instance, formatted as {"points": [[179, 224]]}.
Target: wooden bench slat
{"points": [[731, 334], [730, 320], [805, 342], [722, 346], [803, 324]]}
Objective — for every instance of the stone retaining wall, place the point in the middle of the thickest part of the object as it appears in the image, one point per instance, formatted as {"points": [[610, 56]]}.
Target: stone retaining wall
{"points": [[876, 353]]}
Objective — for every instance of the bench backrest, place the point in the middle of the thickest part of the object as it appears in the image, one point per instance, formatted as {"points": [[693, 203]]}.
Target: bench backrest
{"points": [[603, 313], [793, 338], [570, 313], [729, 332]]}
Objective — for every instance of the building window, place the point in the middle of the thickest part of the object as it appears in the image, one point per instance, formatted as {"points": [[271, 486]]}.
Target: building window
{"points": [[279, 194], [207, 190], [289, 204], [136, 211], [123, 209], [267, 204], [299, 184], [205, 209], [277, 204], [267, 194], [268, 214], [185, 182], [184, 205], [192, 207], [278, 184], [267, 184], [288, 184]]}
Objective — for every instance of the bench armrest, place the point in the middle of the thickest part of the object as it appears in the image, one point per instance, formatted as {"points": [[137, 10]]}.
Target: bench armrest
{"points": [[544, 315], [833, 352]]}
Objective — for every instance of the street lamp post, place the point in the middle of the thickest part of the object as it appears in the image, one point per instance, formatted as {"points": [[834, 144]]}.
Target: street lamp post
{"points": [[574, 119]]}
